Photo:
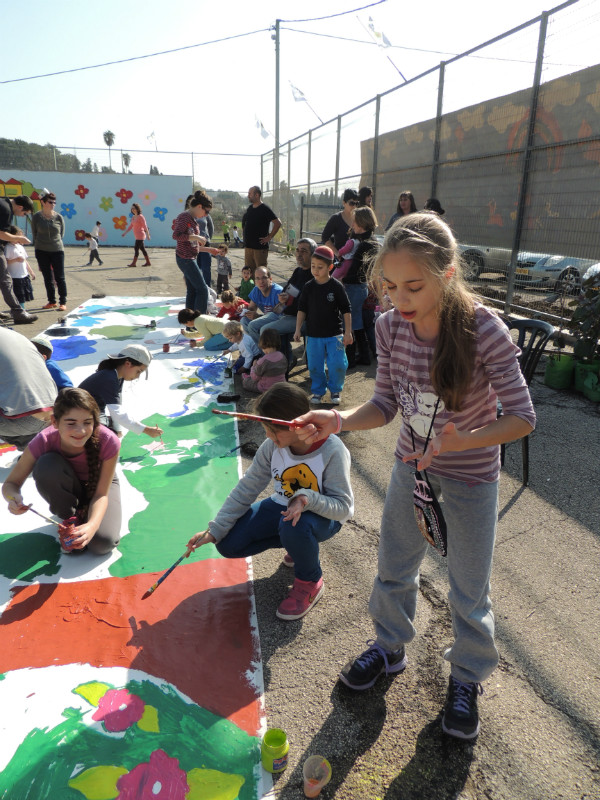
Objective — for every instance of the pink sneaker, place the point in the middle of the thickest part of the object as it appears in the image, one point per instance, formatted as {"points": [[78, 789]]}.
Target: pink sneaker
{"points": [[302, 597], [287, 560]]}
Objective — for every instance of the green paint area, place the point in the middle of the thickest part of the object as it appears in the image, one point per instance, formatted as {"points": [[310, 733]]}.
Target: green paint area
{"points": [[183, 496], [189, 745], [146, 311], [121, 332], [25, 556]]}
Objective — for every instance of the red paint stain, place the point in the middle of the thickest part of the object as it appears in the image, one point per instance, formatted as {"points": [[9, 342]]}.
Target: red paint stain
{"points": [[195, 633]]}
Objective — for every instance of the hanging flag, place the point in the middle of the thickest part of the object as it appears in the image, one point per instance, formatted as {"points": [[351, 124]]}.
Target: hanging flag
{"points": [[298, 95], [263, 131], [151, 137], [379, 36]]}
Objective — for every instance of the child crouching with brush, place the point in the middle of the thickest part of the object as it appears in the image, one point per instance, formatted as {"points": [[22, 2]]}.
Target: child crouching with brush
{"points": [[312, 497]]}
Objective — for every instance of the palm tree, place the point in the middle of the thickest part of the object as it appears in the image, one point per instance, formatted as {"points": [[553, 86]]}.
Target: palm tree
{"points": [[109, 140], [126, 159]]}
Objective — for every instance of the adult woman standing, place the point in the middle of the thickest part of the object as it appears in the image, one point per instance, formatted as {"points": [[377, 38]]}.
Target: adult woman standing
{"points": [[335, 232], [406, 205], [140, 231], [365, 196], [48, 228], [186, 232]]}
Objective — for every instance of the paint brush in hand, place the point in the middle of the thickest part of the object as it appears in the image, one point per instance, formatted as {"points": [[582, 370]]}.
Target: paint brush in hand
{"points": [[165, 575], [288, 423], [43, 516]]}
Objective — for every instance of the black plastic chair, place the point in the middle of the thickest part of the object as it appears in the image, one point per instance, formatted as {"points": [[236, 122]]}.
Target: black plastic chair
{"points": [[532, 339]]}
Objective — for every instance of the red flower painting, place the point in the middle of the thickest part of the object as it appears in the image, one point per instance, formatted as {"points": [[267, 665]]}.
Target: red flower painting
{"points": [[120, 223], [79, 235], [124, 194], [161, 779], [119, 710], [81, 191]]}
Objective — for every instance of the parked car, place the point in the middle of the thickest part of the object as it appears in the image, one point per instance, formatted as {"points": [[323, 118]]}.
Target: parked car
{"points": [[564, 274], [478, 259]]}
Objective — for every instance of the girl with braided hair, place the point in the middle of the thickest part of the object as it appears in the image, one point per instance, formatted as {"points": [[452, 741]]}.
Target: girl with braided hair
{"points": [[73, 464]]}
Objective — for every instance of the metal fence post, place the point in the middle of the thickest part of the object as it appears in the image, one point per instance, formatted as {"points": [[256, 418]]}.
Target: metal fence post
{"points": [[526, 162], [262, 183], [289, 179], [438, 130], [376, 147], [309, 165], [337, 156]]}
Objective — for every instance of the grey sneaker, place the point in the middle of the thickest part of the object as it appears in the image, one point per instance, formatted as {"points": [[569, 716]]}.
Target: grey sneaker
{"points": [[316, 399], [362, 672], [21, 317], [335, 399], [4, 317], [461, 718]]}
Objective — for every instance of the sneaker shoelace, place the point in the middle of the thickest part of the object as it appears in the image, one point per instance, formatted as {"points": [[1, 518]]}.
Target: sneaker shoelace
{"points": [[462, 695], [372, 655]]}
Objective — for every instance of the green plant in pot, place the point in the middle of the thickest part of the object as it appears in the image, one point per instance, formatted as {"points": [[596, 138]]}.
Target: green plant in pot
{"points": [[585, 324], [559, 365]]}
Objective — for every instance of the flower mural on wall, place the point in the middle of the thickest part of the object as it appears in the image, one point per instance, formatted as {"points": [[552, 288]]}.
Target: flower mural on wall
{"points": [[160, 213], [120, 223], [147, 196], [106, 203], [80, 235], [68, 210], [81, 191], [124, 194]]}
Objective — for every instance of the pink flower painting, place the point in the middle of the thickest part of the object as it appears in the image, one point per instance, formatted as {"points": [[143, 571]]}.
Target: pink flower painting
{"points": [[146, 197], [119, 710], [161, 779]]}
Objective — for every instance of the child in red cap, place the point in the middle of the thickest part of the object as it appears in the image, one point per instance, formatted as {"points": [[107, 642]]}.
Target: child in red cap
{"points": [[323, 304]]}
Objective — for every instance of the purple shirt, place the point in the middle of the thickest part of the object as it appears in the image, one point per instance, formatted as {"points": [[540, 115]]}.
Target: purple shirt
{"points": [[403, 384], [48, 441]]}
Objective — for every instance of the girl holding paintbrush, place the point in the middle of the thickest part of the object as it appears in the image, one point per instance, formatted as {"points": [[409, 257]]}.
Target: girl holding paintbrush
{"points": [[73, 464], [312, 497]]}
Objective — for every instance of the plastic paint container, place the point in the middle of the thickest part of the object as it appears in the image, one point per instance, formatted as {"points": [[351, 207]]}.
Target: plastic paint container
{"points": [[274, 750], [317, 774], [166, 347], [193, 343]]}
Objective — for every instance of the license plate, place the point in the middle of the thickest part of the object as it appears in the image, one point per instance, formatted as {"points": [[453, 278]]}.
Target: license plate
{"points": [[521, 271]]}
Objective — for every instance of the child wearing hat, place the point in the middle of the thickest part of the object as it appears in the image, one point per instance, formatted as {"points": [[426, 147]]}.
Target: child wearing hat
{"points": [[106, 384], [45, 349], [325, 306]]}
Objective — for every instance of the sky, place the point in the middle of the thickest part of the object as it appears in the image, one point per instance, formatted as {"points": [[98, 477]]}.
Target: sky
{"points": [[208, 99]]}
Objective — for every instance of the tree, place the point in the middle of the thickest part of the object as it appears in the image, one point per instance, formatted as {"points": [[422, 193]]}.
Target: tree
{"points": [[109, 140], [126, 159]]}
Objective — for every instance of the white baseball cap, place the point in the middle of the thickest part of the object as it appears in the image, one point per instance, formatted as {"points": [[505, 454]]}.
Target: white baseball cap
{"points": [[136, 352], [44, 341]]}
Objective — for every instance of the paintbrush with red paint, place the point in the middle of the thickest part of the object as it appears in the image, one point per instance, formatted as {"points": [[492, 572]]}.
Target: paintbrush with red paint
{"points": [[288, 423]]}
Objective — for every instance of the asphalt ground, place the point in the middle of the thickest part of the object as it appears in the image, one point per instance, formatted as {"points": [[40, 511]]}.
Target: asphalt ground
{"points": [[540, 711]]}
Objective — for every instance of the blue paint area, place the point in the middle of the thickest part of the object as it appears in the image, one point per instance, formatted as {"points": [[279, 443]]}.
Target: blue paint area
{"points": [[73, 347], [93, 309], [179, 413], [89, 321]]}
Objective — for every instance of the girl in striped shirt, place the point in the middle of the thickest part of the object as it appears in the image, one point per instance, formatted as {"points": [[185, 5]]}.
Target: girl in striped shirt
{"points": [[444, 360]]}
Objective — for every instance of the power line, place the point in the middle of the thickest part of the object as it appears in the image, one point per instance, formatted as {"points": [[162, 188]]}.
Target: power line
{"points": [[135, 58], [331, 16]]}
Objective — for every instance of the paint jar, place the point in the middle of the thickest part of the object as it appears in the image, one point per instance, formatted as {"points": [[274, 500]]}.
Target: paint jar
{"points": [[274, 750], [153, 323], [65, 533], [193, 343], [316, 773], [166, 347]]}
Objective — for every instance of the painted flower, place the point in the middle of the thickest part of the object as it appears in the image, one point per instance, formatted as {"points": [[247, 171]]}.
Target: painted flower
{"points": [[106, 203], [68, 210], [79, 235], [81, 191], [160, 213], [146, 196], [119, 710], [160, 779], [120, 223], [124, 194]]}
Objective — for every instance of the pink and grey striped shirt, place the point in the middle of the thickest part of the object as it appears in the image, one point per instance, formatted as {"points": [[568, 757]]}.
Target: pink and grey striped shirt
{"points": [[403, 384], [185, 224]]}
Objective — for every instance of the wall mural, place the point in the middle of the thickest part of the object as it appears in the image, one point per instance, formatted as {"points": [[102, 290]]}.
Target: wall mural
{"points": [[84, 198], [104, 692]]}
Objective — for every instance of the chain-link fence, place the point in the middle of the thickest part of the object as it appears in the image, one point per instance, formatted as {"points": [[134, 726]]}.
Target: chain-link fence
{"points": [[507, 136]]}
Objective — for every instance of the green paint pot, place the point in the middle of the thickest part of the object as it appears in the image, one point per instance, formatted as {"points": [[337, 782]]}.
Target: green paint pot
{"points": [[274, 750], [559, 371], [582, 370]]}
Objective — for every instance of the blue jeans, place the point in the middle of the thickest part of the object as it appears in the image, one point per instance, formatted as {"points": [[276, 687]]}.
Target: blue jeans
{"points": [[357, 294], [330, 349], [197, 292], [262, 528], [204, 262], [216, 342]]}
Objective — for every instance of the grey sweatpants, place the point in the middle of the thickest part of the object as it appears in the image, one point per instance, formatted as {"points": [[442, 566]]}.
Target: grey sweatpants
{"points": [[60, 487], [471, 513]]}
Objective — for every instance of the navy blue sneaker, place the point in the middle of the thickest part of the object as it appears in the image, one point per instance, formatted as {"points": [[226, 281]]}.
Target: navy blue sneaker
{"points": [[362, 672], [461, 718]]}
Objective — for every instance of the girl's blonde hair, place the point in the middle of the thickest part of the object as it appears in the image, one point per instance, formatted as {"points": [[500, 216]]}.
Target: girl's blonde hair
{"points": [[431, 243], [232, 328]]}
